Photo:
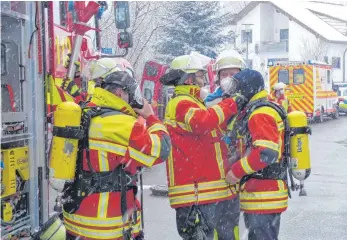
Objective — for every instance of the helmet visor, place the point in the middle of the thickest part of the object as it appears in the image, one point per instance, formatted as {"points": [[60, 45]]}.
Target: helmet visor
{"points": [[138, 96]]}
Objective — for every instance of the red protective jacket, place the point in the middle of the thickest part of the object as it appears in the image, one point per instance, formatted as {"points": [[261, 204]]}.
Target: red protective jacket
{"points": [[265, 135], [283, 101], [197, 166], [116, 138]]}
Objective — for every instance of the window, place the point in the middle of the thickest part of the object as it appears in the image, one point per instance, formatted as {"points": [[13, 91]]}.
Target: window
{"points": [[148, 90], [3, 60], [299, 76], [326, 59], [244, 35], [151, 70], [328, 76], [283, 76], [62, 12], [59, 17], [336, 62], [284, 35]]}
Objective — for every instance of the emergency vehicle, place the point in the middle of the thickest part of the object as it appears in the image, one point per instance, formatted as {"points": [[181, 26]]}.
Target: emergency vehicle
{"points": [[309, 87], [341, 89], [157, 94], [35, 40]]}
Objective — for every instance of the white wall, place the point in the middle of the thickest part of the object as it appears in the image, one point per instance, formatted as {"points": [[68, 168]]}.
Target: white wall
{"points": [[281, 22], [266, 28], [252, 17], [337, 50], [267, 22], [297, 34], [296, 37]]}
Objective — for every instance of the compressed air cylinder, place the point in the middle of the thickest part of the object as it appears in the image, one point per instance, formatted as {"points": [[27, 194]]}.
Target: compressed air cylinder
{"points": [[64, 148], [299, 145]]}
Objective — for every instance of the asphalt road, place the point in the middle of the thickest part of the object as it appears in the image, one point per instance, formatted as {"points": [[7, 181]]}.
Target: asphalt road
{"points": [[322, 215]]}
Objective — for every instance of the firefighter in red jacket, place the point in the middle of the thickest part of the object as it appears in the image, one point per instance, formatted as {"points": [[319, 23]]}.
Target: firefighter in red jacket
{"points": [[118, 143], [258, 134], [279, 97], [196, 167]]}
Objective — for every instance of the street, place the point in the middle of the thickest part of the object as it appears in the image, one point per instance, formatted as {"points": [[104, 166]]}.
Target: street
{"points": [[322, 215]]}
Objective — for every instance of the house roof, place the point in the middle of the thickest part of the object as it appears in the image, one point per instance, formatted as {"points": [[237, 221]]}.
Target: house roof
{"points": [[305, 14]]}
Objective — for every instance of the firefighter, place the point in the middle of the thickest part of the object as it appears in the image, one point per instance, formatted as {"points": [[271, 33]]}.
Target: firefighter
{"points": [[259, 168], [279, 97], [228, 63], [196, 167], [101, 202]]}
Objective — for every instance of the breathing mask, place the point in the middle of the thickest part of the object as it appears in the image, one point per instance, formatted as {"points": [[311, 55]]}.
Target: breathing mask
{"points": [[229, 85]]}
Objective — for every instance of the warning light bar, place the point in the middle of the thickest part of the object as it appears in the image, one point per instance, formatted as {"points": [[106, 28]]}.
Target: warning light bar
{"points": [[285, 63], [298, 63]]}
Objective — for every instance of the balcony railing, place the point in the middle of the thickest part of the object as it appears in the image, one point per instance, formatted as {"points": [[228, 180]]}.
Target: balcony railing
{"points": [[273, 46]]}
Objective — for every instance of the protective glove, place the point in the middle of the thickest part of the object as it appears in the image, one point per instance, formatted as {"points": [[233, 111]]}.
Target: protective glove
{"points": [[216, 94], [231, 178], [77, 64], [239, 99]]}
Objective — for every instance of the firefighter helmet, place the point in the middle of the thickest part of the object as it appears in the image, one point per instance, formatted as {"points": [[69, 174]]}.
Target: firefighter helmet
{"points": [[279, 86], [229, 59], [102, 67], [123, 80], [188, 64], [181, 68]]}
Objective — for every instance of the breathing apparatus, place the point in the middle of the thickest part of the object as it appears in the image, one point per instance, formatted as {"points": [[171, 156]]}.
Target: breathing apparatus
{"points": [[296, 154]]}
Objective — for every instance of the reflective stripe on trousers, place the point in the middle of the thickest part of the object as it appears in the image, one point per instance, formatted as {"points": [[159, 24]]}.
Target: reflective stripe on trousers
{"points": [[268, 200], [101, 228], [213, 190]]}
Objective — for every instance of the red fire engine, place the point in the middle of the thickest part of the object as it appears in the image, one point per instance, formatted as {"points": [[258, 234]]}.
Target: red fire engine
{"points": [[36, 38]]}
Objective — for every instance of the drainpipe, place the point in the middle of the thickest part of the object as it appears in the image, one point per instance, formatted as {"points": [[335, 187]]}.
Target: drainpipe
{"points": [[344, 66]]}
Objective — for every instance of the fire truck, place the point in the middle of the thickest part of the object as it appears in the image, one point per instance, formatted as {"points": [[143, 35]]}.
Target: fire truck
{"points": [[35, 40], [157, 94], [309, 87]]}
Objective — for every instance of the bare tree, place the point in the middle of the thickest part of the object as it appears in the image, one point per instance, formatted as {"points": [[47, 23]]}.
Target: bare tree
{"points": [[313, 49], [147, 18]]}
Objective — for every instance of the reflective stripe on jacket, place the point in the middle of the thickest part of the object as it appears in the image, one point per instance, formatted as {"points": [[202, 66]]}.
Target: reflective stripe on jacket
{"points": [[116, 138], [263, 147], [198, 154]]}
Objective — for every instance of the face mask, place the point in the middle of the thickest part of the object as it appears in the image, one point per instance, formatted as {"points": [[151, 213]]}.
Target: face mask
{"points": [[279, 93], [228, 85], [204, 92], [224, 83], [136, 99]]}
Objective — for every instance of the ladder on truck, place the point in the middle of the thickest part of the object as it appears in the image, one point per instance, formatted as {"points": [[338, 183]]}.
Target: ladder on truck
{"points": [[23, 126]]}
